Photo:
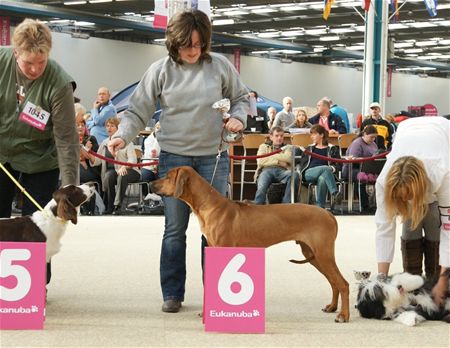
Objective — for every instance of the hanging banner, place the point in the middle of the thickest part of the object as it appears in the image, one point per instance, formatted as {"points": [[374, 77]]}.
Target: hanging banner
{"points": [[389, 81], [431, 6], [234, 299], [5, 27], [165, 9], [237, 59]]}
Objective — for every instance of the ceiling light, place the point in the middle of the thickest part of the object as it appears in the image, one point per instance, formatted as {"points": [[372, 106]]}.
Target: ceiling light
{"points": [[329, 38], [319, 49], [423, 68], [223, 21], [285, 51], [292, 8], [341, 30], [425, 43], [259, 52], [59, 21], [292, 33], [316, 6], [269, 34], [403, 44], [414, 50], [361, 28], [82, 23], [397, 26], [443, 23], [160, 40], [355, 48], [264, 10], [403, 69], [442, 6], [68, 3], [412, 55], [351, 4], [422, 24], [315, 31], [235, 13], [444, 42], [98, 1]]}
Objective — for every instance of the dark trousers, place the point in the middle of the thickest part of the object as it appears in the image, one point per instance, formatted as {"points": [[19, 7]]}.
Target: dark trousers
{"points": [[40, 186]]}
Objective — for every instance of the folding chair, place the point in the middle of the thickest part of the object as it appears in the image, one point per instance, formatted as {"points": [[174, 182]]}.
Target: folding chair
{"points": [[249, 142], [370, 167], [301, 140]]}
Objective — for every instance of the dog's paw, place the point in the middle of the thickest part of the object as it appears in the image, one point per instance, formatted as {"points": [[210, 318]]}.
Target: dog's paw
{"points": [[409, 318], [330, 308], [342, 318]]}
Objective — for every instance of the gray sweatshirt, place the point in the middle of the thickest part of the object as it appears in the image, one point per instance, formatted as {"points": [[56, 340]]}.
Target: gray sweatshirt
{"points": [[186, 93]]}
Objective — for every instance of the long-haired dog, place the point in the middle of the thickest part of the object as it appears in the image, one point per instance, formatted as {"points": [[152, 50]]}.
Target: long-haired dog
{"points": [[403, 297], [50, 224]]}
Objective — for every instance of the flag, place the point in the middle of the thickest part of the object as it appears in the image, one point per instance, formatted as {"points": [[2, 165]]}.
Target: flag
{"points": [[365, 4], [327, 8], [394, 7], [431, 7], [165, 9]]}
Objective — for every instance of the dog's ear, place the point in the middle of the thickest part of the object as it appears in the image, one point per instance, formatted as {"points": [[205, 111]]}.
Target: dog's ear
{"points": [[66, 210], [180, 180]]}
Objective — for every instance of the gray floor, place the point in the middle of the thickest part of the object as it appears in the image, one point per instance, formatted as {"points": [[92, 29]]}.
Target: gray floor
{"points": [[105, 293]]}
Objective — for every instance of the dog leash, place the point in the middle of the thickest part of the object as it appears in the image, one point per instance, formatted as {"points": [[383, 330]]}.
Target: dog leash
{"points": [[22, 189]]}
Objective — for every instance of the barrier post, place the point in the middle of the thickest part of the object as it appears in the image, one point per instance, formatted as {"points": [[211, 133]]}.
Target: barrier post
{"points": [[234, 298], [22, 285]]}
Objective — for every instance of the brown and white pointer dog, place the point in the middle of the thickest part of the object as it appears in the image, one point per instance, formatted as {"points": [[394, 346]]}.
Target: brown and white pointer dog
{"points": [[233, 224], [49, 225]]}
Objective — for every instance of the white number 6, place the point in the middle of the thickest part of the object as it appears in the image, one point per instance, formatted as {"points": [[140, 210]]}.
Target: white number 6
{"points": [[22, 275], [232, 275]]}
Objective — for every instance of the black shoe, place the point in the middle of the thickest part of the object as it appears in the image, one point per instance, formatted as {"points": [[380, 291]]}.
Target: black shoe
{"points": [[171, 306], [336, 199], [117, 210]]}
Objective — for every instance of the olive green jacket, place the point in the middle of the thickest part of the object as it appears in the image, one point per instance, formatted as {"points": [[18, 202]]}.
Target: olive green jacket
{"points": [[28, 149]]}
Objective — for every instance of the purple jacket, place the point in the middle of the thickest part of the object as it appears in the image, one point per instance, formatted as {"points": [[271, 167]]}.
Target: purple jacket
{"points": [[358, 148]]}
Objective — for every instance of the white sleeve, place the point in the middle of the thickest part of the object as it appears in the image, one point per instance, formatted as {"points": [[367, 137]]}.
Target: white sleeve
{"points": [[385, 228], [443, 196]]}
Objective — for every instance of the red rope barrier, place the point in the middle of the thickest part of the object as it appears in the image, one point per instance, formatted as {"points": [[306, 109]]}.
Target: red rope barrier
{"points": [[340, 160], [128, 164], [255, 157]]}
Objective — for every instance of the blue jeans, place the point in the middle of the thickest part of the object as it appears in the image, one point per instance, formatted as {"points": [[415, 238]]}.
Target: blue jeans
{"points": [[173, 249], [271, 175], [323, 177]]}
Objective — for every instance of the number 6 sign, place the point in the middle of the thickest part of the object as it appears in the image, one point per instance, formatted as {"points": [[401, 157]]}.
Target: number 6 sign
{"points": [[22, 285], [234, 290]]}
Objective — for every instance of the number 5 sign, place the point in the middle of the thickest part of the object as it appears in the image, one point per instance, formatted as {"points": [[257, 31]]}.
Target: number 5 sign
{"points": [[234, 290], [22, 285]]}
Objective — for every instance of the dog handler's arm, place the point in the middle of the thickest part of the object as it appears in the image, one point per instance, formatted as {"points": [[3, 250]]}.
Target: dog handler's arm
{"points": [[440, 289], [115, 145], [385, 232]]}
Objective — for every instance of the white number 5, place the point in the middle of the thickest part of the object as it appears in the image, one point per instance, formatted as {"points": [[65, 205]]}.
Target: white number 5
{"points": [[232, 275], [22, 275]]}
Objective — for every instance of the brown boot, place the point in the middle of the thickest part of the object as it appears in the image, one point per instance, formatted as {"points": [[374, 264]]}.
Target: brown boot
{"points": [[412, 254], [431, 252]]}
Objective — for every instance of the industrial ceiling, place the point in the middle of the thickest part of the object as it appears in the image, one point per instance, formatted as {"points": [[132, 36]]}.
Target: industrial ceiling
{"points": [[278, 29]]}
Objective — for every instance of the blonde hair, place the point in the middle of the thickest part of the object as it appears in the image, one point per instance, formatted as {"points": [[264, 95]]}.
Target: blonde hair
{"points": [[114, 121], [406, 190], [32, 36]]}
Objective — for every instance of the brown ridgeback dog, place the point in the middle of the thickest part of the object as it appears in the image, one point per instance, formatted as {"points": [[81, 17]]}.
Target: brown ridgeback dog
{"points": [[226, 224]]}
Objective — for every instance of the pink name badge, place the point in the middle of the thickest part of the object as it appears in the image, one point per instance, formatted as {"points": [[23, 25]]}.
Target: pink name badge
{"points": [[22, 285], [34, 116], [234, 299]]}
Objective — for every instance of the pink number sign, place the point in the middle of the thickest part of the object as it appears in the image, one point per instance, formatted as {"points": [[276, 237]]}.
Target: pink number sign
{"points": [[22, 285], [234, 298]]}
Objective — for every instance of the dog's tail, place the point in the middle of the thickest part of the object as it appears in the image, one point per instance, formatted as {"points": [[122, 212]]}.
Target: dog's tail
{"points": [[302, 261]]}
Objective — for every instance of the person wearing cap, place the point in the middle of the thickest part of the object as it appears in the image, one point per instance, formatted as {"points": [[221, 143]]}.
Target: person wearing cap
{"points": [[384, 129], [331, 122], [38, 138]]}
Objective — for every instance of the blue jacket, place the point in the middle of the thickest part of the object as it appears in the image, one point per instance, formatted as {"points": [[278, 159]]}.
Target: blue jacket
{"points": [[96, 124], [334, 122]]}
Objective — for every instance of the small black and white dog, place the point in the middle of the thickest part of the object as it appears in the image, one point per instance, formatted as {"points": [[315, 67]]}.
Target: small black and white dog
{"points": [[403, 297], [47, 226]]}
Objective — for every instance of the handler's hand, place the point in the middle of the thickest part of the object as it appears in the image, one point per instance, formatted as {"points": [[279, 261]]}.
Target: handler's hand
{"points": [[115, 145], [122, 171], [234, 125], [440, 290]]}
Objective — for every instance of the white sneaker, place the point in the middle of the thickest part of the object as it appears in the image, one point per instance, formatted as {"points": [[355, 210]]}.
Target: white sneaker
{"points": [[153, 197]]}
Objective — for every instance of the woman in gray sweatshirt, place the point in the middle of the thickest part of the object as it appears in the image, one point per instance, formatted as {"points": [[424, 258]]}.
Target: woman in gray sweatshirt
{"points": [[186, 84]]}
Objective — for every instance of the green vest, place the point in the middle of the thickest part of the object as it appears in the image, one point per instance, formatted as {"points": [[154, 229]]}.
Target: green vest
{"points": [[24, 147]]}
